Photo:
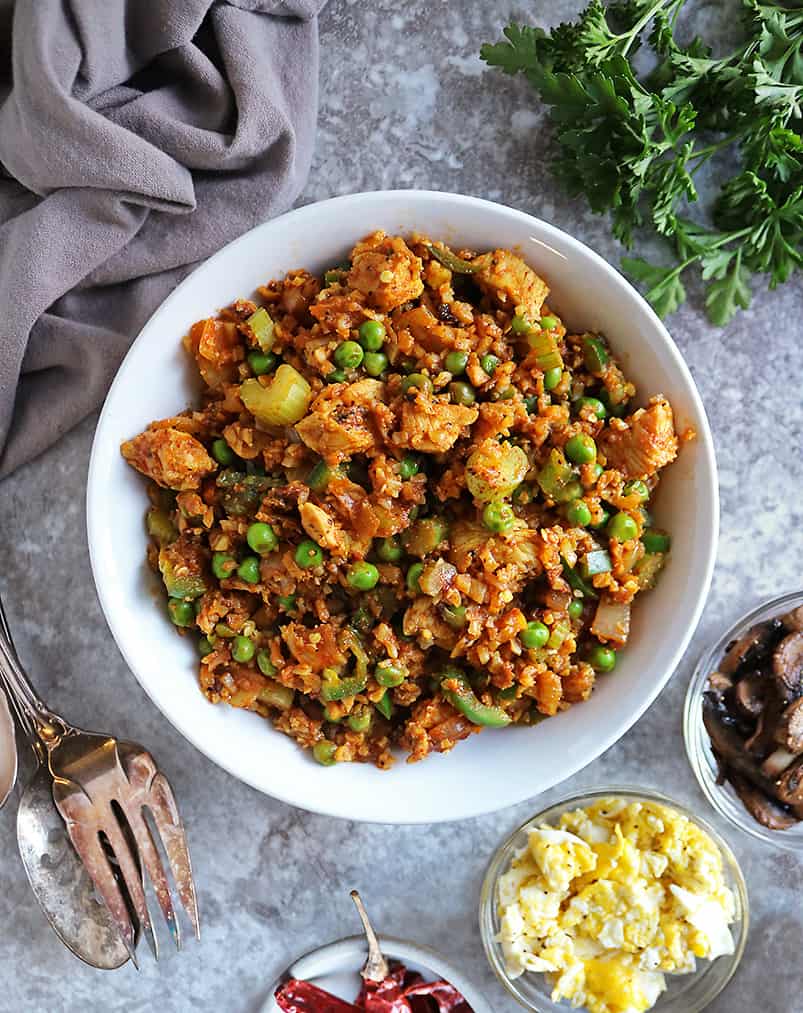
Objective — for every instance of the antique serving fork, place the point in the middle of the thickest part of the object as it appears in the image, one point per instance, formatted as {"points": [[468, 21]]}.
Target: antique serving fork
{"points": [[106, 791]]}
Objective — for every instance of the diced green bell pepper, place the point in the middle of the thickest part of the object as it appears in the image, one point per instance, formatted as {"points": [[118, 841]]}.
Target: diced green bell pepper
{"points": [[457, 690]]}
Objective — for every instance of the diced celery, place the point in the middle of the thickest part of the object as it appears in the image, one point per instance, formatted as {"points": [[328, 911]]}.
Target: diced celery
{"points": [[283, 402], [276, 695], [556, 479], [263, 328], [160, 526], [594, 562], [546, 351]]}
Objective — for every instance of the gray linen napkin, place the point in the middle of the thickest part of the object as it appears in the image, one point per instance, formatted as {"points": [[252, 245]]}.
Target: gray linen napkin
{"points": [[137, 137]]}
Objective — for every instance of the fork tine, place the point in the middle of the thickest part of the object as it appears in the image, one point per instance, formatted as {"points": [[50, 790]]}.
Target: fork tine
{"points": [[72, 803], [132, 877], [164, 809], [153, 866]]}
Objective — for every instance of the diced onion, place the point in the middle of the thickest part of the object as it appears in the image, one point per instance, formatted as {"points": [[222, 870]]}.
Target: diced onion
{"points": [[493, 472], [612, 621]]}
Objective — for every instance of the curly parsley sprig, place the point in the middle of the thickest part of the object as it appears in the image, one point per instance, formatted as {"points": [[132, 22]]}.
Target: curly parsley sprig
{"points": [[632, 144]]}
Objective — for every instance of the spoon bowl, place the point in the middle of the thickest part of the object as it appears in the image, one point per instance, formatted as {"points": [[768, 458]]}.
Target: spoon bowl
{"points": [[8, 752], [60, 881]]}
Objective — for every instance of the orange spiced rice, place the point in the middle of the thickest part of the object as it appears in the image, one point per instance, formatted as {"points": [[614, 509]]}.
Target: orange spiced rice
{"points": [[410, 504]]}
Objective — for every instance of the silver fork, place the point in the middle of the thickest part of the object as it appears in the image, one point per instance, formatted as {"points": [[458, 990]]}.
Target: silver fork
{"points": [[103, 787]]}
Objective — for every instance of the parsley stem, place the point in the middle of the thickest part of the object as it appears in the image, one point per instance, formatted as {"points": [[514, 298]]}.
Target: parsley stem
{"points": [[705, 153], [635, 31]]}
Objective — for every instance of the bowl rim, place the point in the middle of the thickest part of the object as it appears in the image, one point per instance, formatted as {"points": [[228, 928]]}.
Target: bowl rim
{"points": [[709, 498], [723, 798], [635, 793]]}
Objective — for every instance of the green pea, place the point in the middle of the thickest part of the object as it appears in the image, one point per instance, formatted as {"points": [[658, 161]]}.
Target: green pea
{"points": [[413, 576], [578, 514], [308, 554], [248, 570], [622, 527], [575, 608], [454, 616], [330, 715], [498, 517], [363, 576], [594, 403], [348, 355], [594, 355], [389, 550], [223, 565], [456, 362], [389, 674], [262, 538], [552, 378], [372, 335], [597, 471], [336, 376], [419, 380], [638, 488], [287, 602], [223, 453], [488, 364], [242, 649], [462, 393], [519, 324], [360, 719], [603, 659], [581, 449], [534, 635], [324, 753], [264, 663], [375, 363], [181, 612], [408, 466], [549, 323], [262, 362], [205, 646], [572, 490], [531, 404]]}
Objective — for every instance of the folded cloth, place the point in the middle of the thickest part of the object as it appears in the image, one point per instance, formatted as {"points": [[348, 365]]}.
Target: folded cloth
{"points": [[136, 138]]}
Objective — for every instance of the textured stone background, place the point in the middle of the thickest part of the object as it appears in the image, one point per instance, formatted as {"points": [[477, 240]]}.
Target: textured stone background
{"points": [[404, 103]]}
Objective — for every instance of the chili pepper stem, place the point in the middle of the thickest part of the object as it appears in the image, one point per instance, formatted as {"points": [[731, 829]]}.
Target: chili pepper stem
{"points": [[376, 967]]}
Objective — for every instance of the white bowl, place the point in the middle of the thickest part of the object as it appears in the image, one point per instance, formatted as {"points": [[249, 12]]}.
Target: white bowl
{"points": [[336, 969], [491, 770]]}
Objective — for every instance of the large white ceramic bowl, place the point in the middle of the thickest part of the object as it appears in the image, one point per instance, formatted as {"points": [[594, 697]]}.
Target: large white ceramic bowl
{"points": [[491, 770]]}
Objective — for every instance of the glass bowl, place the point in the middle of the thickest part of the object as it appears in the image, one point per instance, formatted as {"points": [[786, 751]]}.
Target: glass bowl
{"points": [[722, 796], [686, 993]]}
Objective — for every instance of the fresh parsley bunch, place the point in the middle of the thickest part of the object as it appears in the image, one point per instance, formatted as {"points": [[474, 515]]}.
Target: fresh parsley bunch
{"points": [[632, 143]]}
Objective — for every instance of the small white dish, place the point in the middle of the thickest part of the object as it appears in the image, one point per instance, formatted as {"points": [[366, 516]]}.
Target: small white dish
{"points": [[336, 969], [492, 770]]}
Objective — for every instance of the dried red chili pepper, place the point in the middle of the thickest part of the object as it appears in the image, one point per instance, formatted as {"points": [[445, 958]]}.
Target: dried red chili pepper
{"points": [[303, 997]]}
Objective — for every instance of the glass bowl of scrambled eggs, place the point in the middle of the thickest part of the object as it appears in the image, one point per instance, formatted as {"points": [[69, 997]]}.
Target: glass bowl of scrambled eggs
{"points": [[615, 901]]}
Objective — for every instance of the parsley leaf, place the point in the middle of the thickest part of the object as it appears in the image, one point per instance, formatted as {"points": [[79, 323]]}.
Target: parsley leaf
{"points": [[632, 143]]}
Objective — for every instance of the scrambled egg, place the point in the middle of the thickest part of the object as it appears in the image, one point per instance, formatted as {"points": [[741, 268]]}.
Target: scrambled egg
{"points": [[618, 894]]}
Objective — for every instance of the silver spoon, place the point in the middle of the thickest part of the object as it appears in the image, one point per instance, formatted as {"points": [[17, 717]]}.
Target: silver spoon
{"points": [[8, 752], [57, 876]]}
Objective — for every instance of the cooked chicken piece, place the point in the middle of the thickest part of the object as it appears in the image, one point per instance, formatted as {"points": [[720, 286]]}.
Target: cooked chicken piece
{"points": [[217, 348], [316, 648], [174, 460], [511, 283], [341, 420], [645, 443], [427, 331], [430, 425], [322, 529], [386, 270]]}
